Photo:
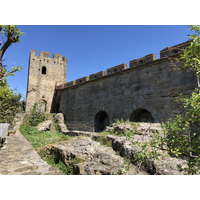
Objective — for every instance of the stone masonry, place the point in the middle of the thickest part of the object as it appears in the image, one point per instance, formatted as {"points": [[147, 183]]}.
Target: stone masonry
{"points": [[142, 92], [44, 74]]}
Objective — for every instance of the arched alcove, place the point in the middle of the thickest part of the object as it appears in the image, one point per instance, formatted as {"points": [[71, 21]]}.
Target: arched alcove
{"points": [[44, 70], [141, 115], [41, 106], [101, 120]]}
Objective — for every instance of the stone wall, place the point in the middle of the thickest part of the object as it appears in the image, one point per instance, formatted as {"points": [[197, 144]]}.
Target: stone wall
{"points": [[44, 73], [143, 92]]}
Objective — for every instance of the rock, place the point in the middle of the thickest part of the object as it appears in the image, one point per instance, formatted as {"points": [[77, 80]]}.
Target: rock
{"points": [[44, 126], [95, 159], [166, 165], [61, 122]]}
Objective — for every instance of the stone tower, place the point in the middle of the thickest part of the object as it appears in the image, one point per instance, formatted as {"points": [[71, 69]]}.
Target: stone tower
{"points": [[44, 74]]}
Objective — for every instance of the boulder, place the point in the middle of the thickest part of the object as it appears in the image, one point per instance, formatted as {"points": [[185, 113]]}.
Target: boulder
{"points": [[95, 159], [59, 118], [165, 165], [44, 126]]}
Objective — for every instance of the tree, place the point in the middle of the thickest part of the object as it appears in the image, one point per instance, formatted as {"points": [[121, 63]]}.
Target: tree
{"points": [[9, 99], [12, 35], [191, 55], [183, 132]]}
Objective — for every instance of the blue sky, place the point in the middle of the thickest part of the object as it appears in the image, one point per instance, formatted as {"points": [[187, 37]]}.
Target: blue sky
{"points": [[90, 48]]}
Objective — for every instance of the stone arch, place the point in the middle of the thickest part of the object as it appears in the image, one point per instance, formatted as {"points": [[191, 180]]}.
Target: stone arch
{"points": [[101, 120], [41, 105], [44, 70], [141, 115]]}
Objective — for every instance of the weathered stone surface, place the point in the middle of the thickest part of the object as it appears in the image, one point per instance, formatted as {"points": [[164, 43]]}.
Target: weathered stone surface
{"points": [[61, 122], [151, 87], [42, 85], [143, 132], [96, 159], [44, 126], [166, 165]]}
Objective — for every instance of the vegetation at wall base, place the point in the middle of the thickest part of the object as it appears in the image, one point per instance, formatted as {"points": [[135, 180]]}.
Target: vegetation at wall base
{"points": [[35, 116], [39, 139]]}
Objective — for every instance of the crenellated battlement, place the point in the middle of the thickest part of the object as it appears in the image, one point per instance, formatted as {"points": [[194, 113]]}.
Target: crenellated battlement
{"points": [[174, 50], [117, 69], [82, 80], [142, 61], [165, 53], [97, 75], [45, 56]]}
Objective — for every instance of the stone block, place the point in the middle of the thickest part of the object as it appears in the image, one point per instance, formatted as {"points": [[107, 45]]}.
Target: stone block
{"points": [[45, 54], [140, 61], [55, 55], [33, 52], [174, 50], [116, 69], [97, 75], [59, 87], [69, 84], [82, 80]]}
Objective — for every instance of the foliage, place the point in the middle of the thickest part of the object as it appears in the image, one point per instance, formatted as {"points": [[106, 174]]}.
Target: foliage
{"points": [[183, 132], [9, 104], [56, 124], [54, 160], [122, 121], [36, 116], [146, 151], [191, 55], [28, 130], [12, 30], [9, 99], [39, 139], [12, 34], [104, 141]]}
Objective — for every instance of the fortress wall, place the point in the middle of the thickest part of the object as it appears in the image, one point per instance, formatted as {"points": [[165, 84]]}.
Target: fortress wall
{"points": [[152, 86]]}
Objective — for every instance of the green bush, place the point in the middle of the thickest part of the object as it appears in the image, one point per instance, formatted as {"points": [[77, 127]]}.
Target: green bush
{"points": [[28, 130], [9, 104], [183, 133], [35, 117]]}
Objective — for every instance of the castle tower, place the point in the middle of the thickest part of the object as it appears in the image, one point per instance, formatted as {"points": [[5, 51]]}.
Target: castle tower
{"points": [[44, 73]]}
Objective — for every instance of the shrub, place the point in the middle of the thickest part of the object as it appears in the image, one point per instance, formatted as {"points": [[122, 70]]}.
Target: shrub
{"points": [[9, 104], [35, 117]]}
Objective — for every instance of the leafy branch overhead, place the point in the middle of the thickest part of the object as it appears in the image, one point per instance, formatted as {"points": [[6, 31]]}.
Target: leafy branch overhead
{"points": [[9, 99], [191, 55], [12, 35]]}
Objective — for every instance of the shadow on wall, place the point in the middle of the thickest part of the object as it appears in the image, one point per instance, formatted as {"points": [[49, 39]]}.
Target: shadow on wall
{"points": [[141, 115], [101, 120]]}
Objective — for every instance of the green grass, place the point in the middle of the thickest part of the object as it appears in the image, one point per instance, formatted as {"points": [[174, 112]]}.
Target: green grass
{"points": [[104, 141], [39, 139]]}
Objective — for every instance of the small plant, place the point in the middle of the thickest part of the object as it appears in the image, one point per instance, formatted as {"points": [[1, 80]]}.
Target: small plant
{"points": [[104, 141], [54, 160]]}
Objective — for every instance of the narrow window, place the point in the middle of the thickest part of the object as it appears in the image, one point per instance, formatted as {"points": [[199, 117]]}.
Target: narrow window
{"points": [[44, 70]]}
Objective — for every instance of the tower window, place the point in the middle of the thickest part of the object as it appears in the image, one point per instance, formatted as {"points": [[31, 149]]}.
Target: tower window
{"points": [[44, 70]]}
